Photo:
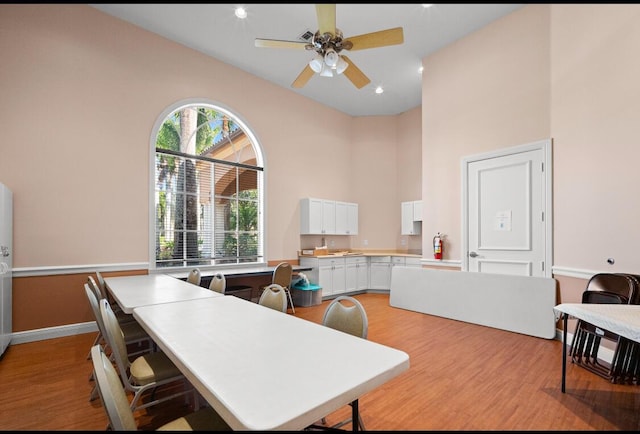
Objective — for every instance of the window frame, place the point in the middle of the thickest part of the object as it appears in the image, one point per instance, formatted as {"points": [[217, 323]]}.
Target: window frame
{"points": [[239, 120]]}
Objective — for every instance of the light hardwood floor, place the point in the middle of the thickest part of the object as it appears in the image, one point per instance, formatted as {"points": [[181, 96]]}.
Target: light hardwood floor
{"points": [[462, 377]]}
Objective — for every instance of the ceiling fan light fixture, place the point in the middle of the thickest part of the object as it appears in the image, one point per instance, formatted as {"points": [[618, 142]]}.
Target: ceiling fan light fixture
{"points": [[317, 63], [326, 71], [341, 65], [331, 58]]}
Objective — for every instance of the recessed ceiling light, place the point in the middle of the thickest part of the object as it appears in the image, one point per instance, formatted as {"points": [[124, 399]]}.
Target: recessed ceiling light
{"points": [[426, 5], [379, 90], [421, 69], [241, 13]]}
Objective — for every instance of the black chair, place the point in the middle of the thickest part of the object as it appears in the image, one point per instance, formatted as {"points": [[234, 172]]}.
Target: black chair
{"points": [[607, 288]]}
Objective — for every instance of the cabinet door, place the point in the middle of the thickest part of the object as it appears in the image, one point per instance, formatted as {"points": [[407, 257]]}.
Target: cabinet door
{"points": [[417, 211], [363, 275], [331, 276], [311, 222], [328, 217], [357, 274], [352, 219], [407, 218], [339, 277], [346, 218], [380, 273], [351, 276], [342, 218], [325, 279], [409, 225]]}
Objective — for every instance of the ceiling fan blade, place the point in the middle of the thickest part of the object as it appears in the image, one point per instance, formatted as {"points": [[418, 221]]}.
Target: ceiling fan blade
{"points": [[326, 18], [382, 38], [275, 43], [303, 78], [354, 74]]}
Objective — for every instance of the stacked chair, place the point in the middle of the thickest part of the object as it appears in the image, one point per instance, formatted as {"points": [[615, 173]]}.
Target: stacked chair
{"points": [[608, 288]]}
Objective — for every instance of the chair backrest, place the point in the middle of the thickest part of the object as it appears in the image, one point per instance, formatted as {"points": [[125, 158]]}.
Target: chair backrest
{"points": [[112, 394], [282, 275], [194, 276], [101, 283], [349, 317], [274, 297], [218, 283], [612, 283], [100, 294], [95, 307], [115, 339]]}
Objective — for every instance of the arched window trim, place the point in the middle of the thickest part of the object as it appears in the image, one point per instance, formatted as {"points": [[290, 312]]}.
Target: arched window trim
{"points": [[260, 162]]}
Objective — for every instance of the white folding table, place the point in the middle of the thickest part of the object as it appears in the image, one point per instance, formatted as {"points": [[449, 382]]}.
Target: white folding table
{"points": [[261, 369], [141, 290], [621, 319]]}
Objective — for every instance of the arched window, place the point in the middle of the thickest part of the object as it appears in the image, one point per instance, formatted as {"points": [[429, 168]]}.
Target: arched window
{"points": [[207, 189]]}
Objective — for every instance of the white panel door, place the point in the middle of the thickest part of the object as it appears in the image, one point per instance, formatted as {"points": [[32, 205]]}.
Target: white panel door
{"points": [[507, 221]]}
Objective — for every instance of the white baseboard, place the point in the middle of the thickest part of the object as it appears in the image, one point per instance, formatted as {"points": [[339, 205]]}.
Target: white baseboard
{"points": [[53, 332]]}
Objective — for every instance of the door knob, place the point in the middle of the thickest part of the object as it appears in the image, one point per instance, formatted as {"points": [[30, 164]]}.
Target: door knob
{"points": [[473, 254]]}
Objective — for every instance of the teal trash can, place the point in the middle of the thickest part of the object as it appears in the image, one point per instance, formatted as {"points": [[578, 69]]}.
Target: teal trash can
{"points": [[306, 295]]}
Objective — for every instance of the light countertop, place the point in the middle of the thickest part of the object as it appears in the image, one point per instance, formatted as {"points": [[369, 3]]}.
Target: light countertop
{"points": [[350, 253]]}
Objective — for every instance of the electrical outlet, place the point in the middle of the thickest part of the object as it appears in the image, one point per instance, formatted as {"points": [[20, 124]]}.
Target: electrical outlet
{"points": [[403, 241], [333, 243], [365, 242]]}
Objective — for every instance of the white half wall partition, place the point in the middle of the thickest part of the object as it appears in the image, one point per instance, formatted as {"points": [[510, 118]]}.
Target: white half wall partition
{"points": [[521, 304]]}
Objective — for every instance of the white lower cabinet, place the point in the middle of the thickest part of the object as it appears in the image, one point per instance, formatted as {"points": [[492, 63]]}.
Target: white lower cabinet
{"points": [[398, 260], [331, 275], [328, 273], [357, 273], [354, 273], [380, 272]]}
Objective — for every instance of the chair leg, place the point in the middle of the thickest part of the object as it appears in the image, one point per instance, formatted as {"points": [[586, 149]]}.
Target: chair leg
{"points": [[96, 341], [94, 393], [293, 309]]}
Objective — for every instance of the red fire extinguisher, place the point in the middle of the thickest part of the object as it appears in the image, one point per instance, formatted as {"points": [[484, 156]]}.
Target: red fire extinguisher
{"points": [[437, 246]]}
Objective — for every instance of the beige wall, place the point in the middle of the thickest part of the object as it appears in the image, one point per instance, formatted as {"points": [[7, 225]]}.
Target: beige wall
{"points": [[595, 124], [409, 171], [487, 91], [565, 72], [81, 93]]}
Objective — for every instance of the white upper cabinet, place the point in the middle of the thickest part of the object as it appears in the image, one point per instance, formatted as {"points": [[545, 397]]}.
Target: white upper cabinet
{"points": [[411, 213], [328, 217], [346, 218], [417, 210], [317, 216]]}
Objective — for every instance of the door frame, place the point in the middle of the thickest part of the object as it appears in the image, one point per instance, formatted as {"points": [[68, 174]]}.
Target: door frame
{"points": [[546, 147]]}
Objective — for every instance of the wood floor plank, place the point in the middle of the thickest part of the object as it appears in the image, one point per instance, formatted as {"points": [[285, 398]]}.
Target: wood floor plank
{"points": [[462, 377]]}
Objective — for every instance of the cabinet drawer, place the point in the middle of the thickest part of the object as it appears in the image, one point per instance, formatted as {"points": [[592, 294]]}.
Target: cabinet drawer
{"points": [[327, 262], [380, 259], [356, 260], [398, 260]]}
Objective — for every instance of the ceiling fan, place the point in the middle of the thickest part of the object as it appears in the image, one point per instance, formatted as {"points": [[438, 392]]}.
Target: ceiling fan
{"points": [[328, 42]]}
